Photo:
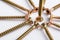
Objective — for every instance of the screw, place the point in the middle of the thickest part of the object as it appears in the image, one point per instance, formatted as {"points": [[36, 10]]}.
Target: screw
{"points": [[32, 3], [57, 25], [52, 9], [47, 31], [54, 17], [9, 17], [41, 4], [55, 7], [20, 7], [14, 28], [27, 32]]}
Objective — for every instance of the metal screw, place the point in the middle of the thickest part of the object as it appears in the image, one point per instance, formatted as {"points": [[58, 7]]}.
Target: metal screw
{"points": [[47, 31], [52, 9], [11, 17], [27, 32], [18, 6], [54, 17], [57, 25], [41, 4], [15, 28], [32, 3], [55, 7]]}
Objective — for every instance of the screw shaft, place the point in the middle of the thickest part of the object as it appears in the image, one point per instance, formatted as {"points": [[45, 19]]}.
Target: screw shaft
{"points": [[32, 3], [9, 17], [47, 31], [57, 25], [20, 7], [26, 33], [55, 7], [14, 28], [56, 17], [41, 4]]}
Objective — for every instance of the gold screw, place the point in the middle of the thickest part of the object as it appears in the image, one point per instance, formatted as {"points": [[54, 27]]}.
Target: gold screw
{"points": [[15, 28], [32, 3], [55, 7], [10, 17], [54, 17], [47, 31], [27, 32], [52, 9], [20, 7], [41, 4], [57, 25]]}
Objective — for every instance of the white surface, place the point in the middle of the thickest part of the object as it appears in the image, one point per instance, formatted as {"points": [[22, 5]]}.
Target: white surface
{"points": [[7, 10]]}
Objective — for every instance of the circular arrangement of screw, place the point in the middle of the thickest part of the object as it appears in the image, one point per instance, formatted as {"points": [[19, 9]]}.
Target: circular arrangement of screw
{"points": [[35, 24]]}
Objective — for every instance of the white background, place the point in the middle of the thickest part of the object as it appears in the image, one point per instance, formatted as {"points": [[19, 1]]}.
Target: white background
{"points": [[37, 34]]}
